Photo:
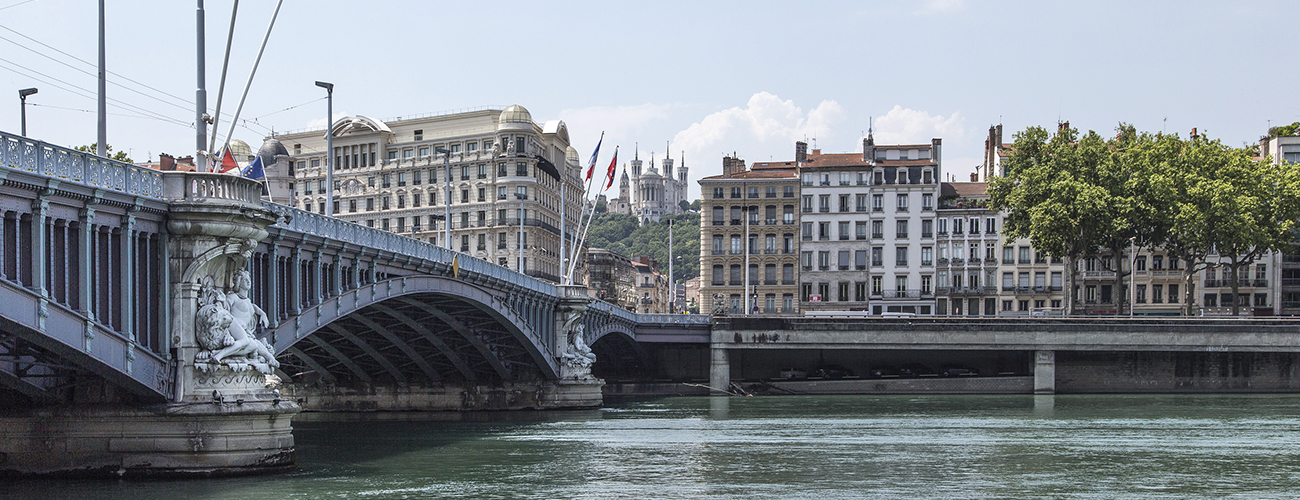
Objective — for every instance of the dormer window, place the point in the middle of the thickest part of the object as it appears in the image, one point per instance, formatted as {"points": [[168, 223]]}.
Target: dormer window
{"points": [[902, 176], [927, 176], [419, 135], [879, 177]]}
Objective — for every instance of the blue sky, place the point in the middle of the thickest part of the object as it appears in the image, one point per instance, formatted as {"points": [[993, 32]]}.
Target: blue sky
{"points": [[708, 77]]}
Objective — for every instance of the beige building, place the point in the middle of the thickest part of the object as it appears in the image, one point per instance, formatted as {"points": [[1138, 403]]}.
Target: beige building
{"points": [[749, 220], [501, 169]]}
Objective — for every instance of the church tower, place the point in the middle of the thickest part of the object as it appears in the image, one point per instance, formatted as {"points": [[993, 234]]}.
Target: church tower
{"points": [[636, 175], [623, 186]]}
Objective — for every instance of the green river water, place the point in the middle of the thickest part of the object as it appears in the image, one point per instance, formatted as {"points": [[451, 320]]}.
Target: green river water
{"points": [[817, 447]]}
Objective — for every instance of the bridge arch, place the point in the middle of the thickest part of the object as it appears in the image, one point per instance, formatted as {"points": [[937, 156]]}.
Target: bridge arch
{"points": [[411, 329]]}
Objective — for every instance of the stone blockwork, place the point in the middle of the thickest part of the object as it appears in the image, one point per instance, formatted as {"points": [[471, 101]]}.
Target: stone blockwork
{"points": [[537, 395], [1168, 372]]}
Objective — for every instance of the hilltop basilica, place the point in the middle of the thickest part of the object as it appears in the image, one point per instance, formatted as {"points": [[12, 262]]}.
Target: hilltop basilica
{"points": [[649, 195]]}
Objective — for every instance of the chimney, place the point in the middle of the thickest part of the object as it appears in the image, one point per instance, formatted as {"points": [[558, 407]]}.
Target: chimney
{"points": [[974, 176], [1194, 135], [1061, 126], [800, 151], [166, 162], [732, 165]]}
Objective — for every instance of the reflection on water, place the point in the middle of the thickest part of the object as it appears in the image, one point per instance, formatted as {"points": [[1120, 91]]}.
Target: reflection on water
{"points": [[790, 447]]}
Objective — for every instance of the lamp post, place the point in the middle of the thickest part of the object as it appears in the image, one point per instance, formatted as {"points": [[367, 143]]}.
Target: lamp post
{"points": [[745, 245], [329, 146], [22, 96], [1132, 275], [672, 287], [520, 260], [446, 163]]}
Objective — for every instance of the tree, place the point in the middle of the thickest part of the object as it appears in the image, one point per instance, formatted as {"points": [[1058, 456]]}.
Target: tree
{"points": [[1063, 193], [119, 156], [685, 206], [626, 235], [695, 205], [601, 207]]}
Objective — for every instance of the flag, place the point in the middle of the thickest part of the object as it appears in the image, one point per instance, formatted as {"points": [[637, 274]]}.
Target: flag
{"points": [[227, 161], [455, 266], [613, 166], [591, 164], [254, 170]]}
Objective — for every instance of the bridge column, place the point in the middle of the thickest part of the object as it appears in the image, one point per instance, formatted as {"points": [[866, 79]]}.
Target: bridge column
{"points": [[1044, 372], [295, 278], [273, 285], [40, 214], [338, 276], [317, 279], [720, 371], [85, 284], [577, 387]]}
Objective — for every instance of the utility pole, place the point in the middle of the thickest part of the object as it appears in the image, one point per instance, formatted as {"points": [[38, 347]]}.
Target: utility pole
{"points": [[672, 286], [200, 96], [329, 146], [446, 163], [101, 144]]}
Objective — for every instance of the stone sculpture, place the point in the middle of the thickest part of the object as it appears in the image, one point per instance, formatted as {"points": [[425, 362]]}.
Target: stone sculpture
{"points": [[578, 354], [224, 328]]}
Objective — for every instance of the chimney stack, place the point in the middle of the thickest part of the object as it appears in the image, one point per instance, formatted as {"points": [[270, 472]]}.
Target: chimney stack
{"points": [[166, 162], [1194, 135], [974, 176], [800, 151]]}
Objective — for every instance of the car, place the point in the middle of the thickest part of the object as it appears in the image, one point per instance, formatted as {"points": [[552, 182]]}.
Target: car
{"points": [[793, 374], [917, 370], [884, 371], [958, 371], [832, 372]]}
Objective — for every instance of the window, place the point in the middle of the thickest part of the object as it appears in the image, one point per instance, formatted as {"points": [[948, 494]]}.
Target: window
{"points": [[482, 171], [846, 178], [927, 256], [735, 192], [902, 202], [735, 278], [844, 203], [1157, 294], [771, 192], [823, 260], [901, 230], [482, 194], [352, 206], [788, 246], [769, 274], [877, 203], [770, 246], [900, 256], [807, 203], [1157, 263], [877, 285], [877, 229], [789, 192], [927, 201], [925, 284], [943, 226], [736, 245], [861, 205], [383, 203], [753, 192], [824, 203], [787, 214], [717, 275], [927, 228], [974, 227], [860, 291], [957, 225], [1140, 294], [807, 231], [860, 228], [1008, 282], [990, 225], [1140, 263], [843, 261], [844, 230], [787, 274], [877, 256], [1024, 255], [860, 259], [823, 230], [718, 246], [521, 168], [401, 201], [805, 260]]}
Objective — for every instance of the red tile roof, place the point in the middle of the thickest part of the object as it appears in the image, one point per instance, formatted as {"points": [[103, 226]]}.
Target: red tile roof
{"points": [[965, 188]]}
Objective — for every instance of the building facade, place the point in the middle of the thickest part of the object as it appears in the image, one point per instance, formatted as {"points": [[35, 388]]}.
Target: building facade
{"points": [[749, 231], [501, 178], [612, 278], [867, 228]]}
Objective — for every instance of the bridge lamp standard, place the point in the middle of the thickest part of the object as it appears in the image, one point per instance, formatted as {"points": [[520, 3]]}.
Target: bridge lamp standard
{"points": [[22, 96], [446, 164], [672, 287], [329, 146], [520, 260], [745, 242]]}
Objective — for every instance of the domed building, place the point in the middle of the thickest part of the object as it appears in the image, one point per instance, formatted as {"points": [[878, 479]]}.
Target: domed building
{"points": [[649, 195], [490, 169]]}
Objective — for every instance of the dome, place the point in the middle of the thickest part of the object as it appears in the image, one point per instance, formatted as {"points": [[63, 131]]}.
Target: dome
{"points": [[270, 151], [515, 114], [240, 150], [572, 155]]}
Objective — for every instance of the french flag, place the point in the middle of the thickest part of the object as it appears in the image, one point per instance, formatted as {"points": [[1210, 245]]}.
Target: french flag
{"points": [[591, 164]]}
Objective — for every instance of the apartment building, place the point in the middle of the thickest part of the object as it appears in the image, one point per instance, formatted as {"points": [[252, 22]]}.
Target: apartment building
{"points": [[749, 238], [500, 178], [867, 228]]}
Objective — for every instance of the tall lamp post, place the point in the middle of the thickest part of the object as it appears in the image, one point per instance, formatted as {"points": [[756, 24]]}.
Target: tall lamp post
{"points": [[672, 286], [329, 146], [22, 96], [745, 245], [1132, 275], [446, 163]]}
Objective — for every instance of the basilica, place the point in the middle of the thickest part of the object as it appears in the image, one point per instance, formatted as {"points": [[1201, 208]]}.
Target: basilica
{"points": [[650, 196]]}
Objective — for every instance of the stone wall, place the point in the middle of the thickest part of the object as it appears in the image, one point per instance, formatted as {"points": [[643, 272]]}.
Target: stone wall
{"points": [[1169, 372]]}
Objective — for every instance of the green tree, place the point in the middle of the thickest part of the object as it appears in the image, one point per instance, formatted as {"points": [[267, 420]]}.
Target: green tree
{"points": [[695, 205], [601, 207], [1063, 193], [685, 205], [626, 235], [119, 156]]}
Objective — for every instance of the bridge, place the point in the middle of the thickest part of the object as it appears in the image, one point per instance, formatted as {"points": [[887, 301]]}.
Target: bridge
{"points": [[132, 299]]}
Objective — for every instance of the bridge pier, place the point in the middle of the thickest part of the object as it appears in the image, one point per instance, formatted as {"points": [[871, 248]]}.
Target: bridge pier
{"points": [[1044, 372], [720, 371]]}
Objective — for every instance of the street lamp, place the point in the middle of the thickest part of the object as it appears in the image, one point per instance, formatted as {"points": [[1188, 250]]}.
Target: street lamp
{"points": [[520, 261], [22, 96], [329, 146], [446, 163], [745, 245], [672, 287]]}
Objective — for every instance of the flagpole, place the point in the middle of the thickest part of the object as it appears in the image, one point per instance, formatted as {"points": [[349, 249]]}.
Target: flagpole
{"points": [[591, 167], [592, 217]]}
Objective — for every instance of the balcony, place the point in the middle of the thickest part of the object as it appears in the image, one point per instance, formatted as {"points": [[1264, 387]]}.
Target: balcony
{"points": [[719, 222], [901, 294], [770, 222], [1290, 281], [877, 209], [877, 263], [735, 222], [824, 210], [876, 236], [902, 234], [927, 235], [990, 260], [844, 210]]}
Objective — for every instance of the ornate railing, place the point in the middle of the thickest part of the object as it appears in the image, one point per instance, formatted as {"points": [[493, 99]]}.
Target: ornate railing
{"points": [[207, 186], [347, 232], [69, 165]]}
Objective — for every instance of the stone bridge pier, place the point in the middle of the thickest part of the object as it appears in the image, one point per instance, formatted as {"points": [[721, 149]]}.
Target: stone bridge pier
{"points": [[170, 378]]}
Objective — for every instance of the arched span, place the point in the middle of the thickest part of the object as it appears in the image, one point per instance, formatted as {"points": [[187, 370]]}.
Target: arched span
{"points": [[611, 327], [619, 356], [414, 328]]}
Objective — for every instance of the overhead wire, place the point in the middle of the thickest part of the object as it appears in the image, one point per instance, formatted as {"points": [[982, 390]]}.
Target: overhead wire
{"points": [[82, 92]]}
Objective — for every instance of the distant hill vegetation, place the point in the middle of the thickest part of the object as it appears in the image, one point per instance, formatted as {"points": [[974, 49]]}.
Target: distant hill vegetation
{"points": [[625, 235]]}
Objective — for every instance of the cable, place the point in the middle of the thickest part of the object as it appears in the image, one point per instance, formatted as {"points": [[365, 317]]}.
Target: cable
{"points": [[128, 115], [86, 93], [17, 4]]}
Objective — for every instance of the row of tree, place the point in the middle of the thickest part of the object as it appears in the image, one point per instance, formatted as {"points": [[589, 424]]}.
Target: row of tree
{"points": [[1084, 196]]}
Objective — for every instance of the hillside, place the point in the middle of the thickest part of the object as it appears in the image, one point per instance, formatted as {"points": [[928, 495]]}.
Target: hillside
{"points": [[623, 234]]}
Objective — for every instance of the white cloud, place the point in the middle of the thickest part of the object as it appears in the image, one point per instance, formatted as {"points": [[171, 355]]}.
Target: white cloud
{"points": [[766, 123], [615, 120], [942, 6], [909, 126]]}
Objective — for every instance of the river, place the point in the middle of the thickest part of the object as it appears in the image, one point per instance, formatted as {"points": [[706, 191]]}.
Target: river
{"points": [[817, 447]]}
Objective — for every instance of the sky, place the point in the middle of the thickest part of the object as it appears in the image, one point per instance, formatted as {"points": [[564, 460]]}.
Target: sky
{"points": [[703, 79]]}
